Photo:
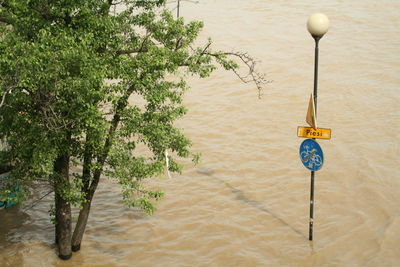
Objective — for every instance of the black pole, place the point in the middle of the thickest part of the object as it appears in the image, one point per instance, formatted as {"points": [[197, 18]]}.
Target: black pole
{"points": [[316, 38], [311, 226], [177, 11]]}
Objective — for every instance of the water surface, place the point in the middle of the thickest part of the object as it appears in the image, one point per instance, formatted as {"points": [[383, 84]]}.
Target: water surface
{"points": [[247, 203]]}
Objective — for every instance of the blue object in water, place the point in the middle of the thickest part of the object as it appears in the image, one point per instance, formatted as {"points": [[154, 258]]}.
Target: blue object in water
{"points": [[8, 202]]}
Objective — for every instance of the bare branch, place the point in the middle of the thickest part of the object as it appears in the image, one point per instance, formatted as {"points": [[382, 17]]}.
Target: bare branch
{"points": [[253, 75], [53, 121]]}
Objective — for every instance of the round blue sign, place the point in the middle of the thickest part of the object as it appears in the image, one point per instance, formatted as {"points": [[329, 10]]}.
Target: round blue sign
{"points": [[311, 155]]}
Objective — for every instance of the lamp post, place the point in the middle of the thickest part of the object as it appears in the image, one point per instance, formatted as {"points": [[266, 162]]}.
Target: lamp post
{"points": [[317, 25]]}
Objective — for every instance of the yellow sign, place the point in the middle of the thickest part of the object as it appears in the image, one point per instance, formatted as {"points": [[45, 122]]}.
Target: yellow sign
{"points": [[309, 132]]}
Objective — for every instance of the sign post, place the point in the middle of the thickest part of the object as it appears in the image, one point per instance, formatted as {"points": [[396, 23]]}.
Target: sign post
{"points": [[310, 152], [312, 157]]}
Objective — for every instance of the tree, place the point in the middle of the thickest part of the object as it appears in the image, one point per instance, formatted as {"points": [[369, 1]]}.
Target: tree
{"points": [[73, 79]]}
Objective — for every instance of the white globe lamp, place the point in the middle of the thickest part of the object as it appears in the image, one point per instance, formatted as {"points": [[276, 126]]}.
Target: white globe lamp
{"points": [[318, 25]]}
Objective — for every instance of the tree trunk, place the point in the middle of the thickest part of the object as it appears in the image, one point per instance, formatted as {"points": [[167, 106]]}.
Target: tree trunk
{"points": [[84, 213], [63, 208], [90, 188], [80, 226]]}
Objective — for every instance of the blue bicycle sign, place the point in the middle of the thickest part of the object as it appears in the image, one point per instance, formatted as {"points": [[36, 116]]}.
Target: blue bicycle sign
{"points": [[311, 155]]}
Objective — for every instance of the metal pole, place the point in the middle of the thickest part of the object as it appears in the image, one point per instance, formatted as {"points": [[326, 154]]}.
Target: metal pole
{"points": [[177, 11], [311, 226], [317, 38], [310, 232]]}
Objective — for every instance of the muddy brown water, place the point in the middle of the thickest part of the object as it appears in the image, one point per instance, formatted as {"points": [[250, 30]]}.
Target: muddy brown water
{"points": [[247, 202]]}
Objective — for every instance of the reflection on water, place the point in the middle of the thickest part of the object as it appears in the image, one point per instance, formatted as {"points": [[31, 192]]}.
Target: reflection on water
{"points": [[241, 196], [247, 203]]}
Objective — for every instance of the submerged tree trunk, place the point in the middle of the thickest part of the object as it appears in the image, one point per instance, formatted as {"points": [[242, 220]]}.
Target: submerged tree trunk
{"points": [[80, 226], [63, 208], [84, 213], [90, 185]]}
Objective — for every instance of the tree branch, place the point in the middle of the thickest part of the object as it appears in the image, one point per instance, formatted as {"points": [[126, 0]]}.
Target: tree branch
{"points": [[253, 75], [37, 201], [7, 91], [203, 52], [178, 43], [45, 13], [135, 51], [4, 97], [101, 159]]}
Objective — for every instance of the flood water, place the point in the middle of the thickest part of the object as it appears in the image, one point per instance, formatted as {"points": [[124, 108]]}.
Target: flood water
{"points": [[247, 202]]}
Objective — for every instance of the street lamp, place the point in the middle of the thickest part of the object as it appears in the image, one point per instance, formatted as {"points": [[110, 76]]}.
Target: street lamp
{"points": [[317, 25]]}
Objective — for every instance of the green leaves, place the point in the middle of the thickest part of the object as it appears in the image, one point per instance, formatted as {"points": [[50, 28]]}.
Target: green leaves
{"points": [[81, 80]]}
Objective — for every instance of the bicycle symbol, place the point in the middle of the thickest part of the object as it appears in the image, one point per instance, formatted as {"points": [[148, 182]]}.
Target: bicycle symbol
{"points": [[310, 158], [311, 155]]}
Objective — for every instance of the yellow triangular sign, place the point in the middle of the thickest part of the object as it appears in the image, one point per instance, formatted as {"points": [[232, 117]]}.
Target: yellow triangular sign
{"points": [[311, 119]]}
